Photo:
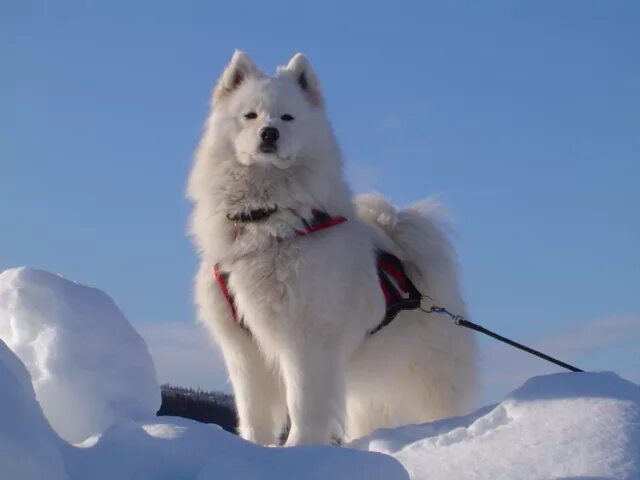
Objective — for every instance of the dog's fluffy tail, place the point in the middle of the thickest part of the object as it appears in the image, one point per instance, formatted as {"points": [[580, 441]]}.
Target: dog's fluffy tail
{"points": [[419, 234]]}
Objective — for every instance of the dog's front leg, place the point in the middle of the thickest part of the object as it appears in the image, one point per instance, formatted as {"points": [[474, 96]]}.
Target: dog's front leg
{"points": [[258, 388], [314, 378], [258, 392]]}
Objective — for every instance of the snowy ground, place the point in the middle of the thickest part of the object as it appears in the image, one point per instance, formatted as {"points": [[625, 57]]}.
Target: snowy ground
{"points": [[555, 426], [79, 393]]}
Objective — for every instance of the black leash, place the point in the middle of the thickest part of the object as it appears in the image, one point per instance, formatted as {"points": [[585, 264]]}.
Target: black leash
{"points": [[461, 321]]}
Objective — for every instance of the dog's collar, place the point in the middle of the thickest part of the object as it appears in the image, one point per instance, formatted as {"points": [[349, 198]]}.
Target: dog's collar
{"points": [[252, 215], [320, 220]]}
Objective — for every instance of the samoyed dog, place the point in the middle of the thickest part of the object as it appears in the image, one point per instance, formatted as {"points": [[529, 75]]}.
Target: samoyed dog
{"points": [[290, 283]]}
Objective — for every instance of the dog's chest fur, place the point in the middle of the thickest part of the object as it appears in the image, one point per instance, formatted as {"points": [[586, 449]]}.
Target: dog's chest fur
{"points": [[281, 286], [266, 284]]}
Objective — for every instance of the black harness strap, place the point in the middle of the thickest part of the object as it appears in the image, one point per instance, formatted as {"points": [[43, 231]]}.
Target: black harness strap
{"points": [[399, 291]]}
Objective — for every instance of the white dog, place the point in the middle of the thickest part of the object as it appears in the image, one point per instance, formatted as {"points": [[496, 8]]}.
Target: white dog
{"points": [[289, 282]]}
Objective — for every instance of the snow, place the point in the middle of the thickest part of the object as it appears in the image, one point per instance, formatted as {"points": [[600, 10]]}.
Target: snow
{"points": [[88, 365], [163, 448], [567, 425], [173, 448], [89, 376], [28, 445]]}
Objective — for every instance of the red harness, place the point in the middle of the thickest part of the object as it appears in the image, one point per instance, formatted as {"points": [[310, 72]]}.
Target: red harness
{"points": [[399, 291]]}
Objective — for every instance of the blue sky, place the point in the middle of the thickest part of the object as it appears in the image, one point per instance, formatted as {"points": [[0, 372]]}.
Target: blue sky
{"points": [[523, 117]]}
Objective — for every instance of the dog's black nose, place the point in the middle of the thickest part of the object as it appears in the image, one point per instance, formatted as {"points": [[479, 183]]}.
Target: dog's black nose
{"points": [[269, 135]]}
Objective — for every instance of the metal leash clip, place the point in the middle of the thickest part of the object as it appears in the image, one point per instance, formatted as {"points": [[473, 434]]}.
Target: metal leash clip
{"points": [[426, 304], [431, 307]]}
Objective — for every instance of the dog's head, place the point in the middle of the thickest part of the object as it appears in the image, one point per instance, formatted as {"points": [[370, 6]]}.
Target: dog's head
{"points": [[270, 121], [267, 143]]}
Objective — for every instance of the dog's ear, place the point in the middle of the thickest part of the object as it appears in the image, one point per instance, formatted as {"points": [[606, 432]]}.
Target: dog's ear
{"points": [[300, 68], [239, 69]]}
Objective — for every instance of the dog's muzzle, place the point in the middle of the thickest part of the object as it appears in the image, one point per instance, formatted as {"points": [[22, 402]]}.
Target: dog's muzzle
{"points": [[269, 137]]}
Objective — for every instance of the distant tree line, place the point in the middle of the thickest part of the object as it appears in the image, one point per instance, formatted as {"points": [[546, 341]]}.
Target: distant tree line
{"points": [[199, 405]]}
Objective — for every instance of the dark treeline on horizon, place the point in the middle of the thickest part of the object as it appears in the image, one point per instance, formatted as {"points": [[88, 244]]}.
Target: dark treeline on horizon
{"points": [[199, 405]]}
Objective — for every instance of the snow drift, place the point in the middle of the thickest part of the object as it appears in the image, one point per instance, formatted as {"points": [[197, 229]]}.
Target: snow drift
{"points": [[87, 363], [92, 374], [29, 448], [567, 425]]}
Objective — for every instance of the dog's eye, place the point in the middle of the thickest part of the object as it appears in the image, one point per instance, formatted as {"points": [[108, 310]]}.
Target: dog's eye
{"points": [[286, 117], [250, 115]]}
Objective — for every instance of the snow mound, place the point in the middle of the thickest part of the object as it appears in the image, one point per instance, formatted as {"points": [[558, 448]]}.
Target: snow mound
{"points": [[29, 448], [88, 365], [174, 448], [568, 425]]}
